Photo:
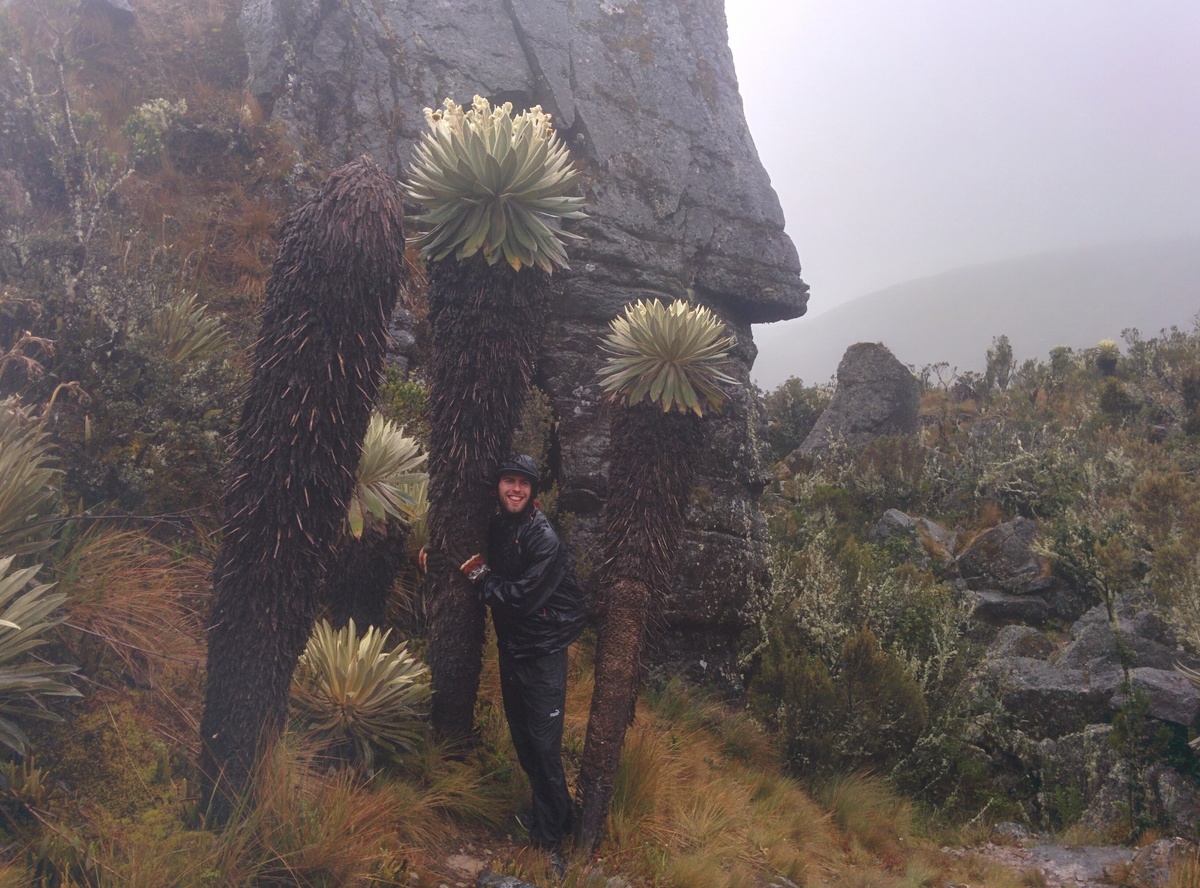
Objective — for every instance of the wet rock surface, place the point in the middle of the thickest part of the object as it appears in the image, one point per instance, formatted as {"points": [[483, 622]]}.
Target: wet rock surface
{"points": [[679, 205], [1002, 558]]}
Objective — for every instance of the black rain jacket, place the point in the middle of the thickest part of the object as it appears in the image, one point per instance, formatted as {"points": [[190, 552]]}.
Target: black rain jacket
{"points": [[536, 605]]}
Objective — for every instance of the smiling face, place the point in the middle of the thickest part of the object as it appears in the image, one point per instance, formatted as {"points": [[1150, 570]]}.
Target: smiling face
{"points": [[514, 491]]}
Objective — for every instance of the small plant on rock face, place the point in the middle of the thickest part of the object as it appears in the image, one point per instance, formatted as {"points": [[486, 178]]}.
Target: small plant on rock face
{"points": [[357, 693]]}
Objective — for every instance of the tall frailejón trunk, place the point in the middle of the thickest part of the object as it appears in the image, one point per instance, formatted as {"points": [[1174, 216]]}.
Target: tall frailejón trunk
{"points": [[317, 367], [362, 573], [651, 473], [486, 325]]}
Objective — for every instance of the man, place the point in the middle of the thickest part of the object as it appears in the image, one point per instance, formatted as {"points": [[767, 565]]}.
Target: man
{"points": [[528, 582]]}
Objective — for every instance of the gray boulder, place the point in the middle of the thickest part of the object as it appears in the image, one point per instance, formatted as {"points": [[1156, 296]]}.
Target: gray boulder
{"points": [[1160, 793], [926, 540], [1169, 696], [1084, 775], [120, 12], [876, 395], [1148, 640], [990, 610], [894, 523], [1048, 701], [1020, 641], [1002, 558], [491, 879], [897, 527], [1075, 773], [1153, 864], [679, 204]]}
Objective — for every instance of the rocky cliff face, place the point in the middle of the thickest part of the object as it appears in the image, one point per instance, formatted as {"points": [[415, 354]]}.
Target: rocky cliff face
{"points": [[644, 92]]}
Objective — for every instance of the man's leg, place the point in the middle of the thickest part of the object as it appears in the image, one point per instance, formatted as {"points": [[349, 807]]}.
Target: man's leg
{"points": [[538, 691], [512, 691]]}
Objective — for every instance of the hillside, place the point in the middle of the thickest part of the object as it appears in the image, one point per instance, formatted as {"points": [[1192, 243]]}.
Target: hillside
{"points": [[1070, 298]]}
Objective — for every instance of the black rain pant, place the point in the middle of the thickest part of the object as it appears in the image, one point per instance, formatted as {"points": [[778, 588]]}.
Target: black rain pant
{"points": [[535, 695]]}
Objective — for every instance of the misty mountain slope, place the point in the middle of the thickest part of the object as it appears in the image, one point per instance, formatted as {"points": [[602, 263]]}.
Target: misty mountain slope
{"points": [[1070, 298]]}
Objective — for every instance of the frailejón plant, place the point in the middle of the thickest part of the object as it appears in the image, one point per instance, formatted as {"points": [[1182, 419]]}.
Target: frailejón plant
{"points": [[665, 371], [388, 481], [185, 331], [24, 619], [496, 182], [29, 497], [354, 691], [668, 355]]}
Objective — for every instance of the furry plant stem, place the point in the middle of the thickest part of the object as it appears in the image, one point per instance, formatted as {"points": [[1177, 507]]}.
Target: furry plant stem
{"points": [[487, 324], [651, 474], [316, 370]]}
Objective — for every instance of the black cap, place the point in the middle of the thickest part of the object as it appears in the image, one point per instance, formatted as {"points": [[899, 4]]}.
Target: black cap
{"points": [[519, 464]]}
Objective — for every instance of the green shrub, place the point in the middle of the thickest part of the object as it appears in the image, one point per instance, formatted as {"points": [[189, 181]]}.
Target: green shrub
{"points": [[865, 712], [150, 435], [404, 401], [792, 410], [1116, 403]]}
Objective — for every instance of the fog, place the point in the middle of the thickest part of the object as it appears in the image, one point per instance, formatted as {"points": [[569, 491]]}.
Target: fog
{"points": [[907, 139]]}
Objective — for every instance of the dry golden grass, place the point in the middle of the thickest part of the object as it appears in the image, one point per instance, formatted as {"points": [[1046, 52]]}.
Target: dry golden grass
{"points": [[869, 812], [309, 827], [701, 798], [128, 598], [691, 808], [1186, 872]]}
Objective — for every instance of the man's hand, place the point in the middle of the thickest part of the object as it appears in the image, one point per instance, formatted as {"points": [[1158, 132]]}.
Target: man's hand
{"points": [[432, 561], [474, 568]]}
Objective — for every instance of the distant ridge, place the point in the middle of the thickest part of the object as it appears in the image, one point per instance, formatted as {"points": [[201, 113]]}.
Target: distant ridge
{"points": [[1074, 298]]}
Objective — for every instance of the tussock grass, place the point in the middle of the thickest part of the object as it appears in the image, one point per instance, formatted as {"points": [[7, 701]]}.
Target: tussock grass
{"points": [[127, 597], [308, 827], [1186, 872], [870, 813]]}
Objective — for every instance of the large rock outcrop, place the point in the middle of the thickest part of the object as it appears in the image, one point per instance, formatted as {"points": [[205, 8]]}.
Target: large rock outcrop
{"points": [[876, 395], [644, 92]]}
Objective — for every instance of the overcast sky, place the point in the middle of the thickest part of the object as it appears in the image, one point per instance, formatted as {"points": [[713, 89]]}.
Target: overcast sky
{"points": [[910, 137]]}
